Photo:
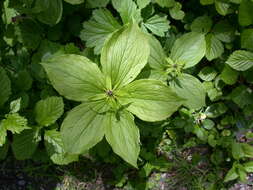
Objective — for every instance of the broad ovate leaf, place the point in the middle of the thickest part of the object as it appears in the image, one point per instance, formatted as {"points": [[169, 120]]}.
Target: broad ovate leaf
{"points": [[5, 87], [240, 60], [191, 89], [98, 29], [247, 39], [74, 76], [202, 24], [83, 127], [124, 55], [123, 136], [214, 47], [231, 175], [49, 110], [148, 99], [189, 49], [245, 15]]}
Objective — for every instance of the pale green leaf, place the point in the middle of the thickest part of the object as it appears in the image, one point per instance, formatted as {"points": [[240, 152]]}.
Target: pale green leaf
{"points": [[98, 29], [248, 166], [207, 73], [83, 127], [191, 89], [150, 100], [245, 13], [176, 12], [231, 175], [247, 39], [123, 136], [75, 76], [143, 3], [5, 87], [165, 3], [74, 2], [240, 60], [202, 24], [214, 47], [3, 134], [247, 150], [49, 110], [14, 123], [158, 25], [124, 55], [189, 49]]}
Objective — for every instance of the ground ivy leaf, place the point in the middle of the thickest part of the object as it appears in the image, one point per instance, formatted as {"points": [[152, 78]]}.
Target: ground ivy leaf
{"points": [[245, 15], [74, 76], [98, 29], [83, 128], [5, 87], [189, 49], [47, 111], [150, 100], [240, 60], [191, 89], [123, 136], [214, 47], [124, 55], [157, 25]]}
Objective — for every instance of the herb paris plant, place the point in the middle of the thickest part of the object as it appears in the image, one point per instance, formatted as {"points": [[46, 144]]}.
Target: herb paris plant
{"points": [[110, 97]]}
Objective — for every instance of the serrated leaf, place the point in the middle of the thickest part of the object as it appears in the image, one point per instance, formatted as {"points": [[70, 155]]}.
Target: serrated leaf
{"points": [[229, 76], [74, 76], [49, 110], [123, 136], [176, 12], [150, 100], [224, 31], [240, 60], [207, 73], [5, 87], [245, 15], [214, 47], [191, 89], [202, 24], [98, 29], [157, 25], [189, 49], [15, 123], [74, 2], [247, 39], [165, 3], [83, 128], [124, 55]]}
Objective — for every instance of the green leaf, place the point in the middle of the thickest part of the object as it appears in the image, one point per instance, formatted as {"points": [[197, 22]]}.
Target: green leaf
{"points": [[49, 110], [148, 99], [157, 57], [229, 76], [222, 7], [23, 82], [189, 49], [128, 10], [74, 2], [98, 29], [5, 87], [83, 127], [15, 123], [123, 136], [214, 47], [176, 12], [247, 39], [247, 150], [231, 175], [224, 31], [191, 89], [202, 24], [165, 3], [74, 76], [52, 14], [124, 55], [207, 73], [97, 3], [54, 146], [237, 151], [242, 96], [15, 105], [240, 60], [25, 144], [3, 134], [216, 110], [143, 3], [245, 15], [248, 166], [158, 25]]}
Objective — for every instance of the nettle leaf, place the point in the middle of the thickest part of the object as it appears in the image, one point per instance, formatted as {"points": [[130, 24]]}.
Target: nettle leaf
{"points": [[189, 49], [240, 60], [52, 14], [5, 87], [128, 10], [165, 3], [123, 136], [207, 73], [150, 100], [54, 146], [247, 39], [98, 29], [214, 47], [143, 3], [202, 24], [157, 25], [157, 57], [74, 76], [124, 55], [191, 89], [176, 12], [74, 2], [245, 13], [49, 110], [83, 127], [14, 123], [97, 3]]}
